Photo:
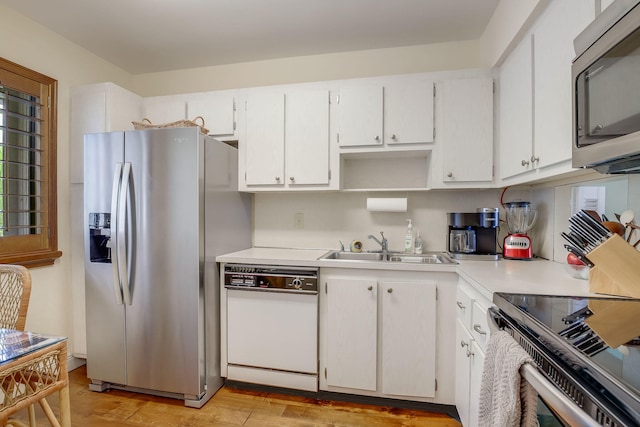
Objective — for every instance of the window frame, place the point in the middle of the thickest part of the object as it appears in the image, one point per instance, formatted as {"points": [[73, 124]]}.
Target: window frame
{"points": [[21, 249]]}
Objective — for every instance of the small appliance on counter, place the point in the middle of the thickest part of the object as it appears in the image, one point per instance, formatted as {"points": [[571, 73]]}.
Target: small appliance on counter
{"points": [[473, 235], [520, 219]]}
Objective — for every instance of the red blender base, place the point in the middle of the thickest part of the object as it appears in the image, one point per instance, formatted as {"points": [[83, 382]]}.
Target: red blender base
{"points": [[517, 246]]}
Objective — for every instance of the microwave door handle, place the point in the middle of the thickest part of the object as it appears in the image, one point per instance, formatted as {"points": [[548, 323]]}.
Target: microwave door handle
{"points": [[115, 265], [555, 399], [123, 244]]}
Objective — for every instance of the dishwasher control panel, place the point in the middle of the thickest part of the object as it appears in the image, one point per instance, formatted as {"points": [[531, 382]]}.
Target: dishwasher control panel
{"points": [[275, 278]]}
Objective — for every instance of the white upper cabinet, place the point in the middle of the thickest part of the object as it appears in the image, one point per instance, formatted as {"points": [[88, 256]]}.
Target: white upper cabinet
{"points": [[408, 112], [516, 110], [466, 132], [307, 137], [553, 54], [102, 107], [218, 109], [360, 116], [284, 140], [384, 114], [263, 140], [535, 91]]}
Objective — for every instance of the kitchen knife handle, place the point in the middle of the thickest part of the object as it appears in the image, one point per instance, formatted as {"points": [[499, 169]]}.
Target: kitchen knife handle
{"points": [[117, 177], [123, 249]]}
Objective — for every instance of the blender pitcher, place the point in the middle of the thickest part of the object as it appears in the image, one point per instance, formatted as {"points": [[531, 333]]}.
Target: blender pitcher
{"points": [[520, 219]]}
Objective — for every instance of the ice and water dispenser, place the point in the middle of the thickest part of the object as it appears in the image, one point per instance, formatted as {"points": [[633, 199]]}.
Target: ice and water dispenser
{"points": [[100, 237]]}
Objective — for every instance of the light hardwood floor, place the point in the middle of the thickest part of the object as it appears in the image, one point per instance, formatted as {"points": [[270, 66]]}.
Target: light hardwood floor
{"points": [[229, 407]]}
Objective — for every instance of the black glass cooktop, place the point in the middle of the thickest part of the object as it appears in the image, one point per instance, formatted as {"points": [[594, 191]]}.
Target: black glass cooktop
{"points": [[596, 336]]}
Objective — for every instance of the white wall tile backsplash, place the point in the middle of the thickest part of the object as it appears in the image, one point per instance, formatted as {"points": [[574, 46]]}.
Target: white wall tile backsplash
{"points": [[333, 217]]}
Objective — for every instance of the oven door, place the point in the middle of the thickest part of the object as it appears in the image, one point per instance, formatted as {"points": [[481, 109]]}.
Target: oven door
{"points": [[554, 407]]}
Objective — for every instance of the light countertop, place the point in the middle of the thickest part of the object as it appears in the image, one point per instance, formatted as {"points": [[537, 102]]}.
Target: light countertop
{"points": [[534, 277]]}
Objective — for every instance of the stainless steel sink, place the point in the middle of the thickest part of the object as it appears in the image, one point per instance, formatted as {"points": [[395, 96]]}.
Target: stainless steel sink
{"points": [[354, 256], [426, 258], [431, 258]]}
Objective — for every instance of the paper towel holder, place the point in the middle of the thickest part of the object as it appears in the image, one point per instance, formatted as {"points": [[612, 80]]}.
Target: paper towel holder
{"points": [[387, 204]]}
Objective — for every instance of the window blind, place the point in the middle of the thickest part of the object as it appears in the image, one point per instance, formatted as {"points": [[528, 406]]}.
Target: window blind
{"points": [[20, 164]]}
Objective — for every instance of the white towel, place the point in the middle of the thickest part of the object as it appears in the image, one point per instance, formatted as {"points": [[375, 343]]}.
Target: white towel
{"points": [[506, 399]]}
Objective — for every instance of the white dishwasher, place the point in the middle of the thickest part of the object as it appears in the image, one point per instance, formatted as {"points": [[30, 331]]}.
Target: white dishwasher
{"points": [[272, 325]]}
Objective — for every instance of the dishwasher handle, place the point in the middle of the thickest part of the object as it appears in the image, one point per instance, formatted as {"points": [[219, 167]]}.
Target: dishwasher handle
{"points": [[273, 290]]}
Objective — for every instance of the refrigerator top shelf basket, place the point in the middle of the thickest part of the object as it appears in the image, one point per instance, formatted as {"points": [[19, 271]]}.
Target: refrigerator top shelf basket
{"points": [[146, 124]]}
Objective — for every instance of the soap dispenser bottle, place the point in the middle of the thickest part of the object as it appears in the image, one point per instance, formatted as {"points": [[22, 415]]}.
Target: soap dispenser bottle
{"points": [[418, 244], [408, 238]]}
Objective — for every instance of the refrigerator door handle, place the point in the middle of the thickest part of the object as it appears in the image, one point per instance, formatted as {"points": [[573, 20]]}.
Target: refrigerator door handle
{"points": [[123, 249], [117, 177]]}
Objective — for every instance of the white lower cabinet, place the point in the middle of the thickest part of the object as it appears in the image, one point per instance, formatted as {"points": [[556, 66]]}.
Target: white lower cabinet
{"points": [[472, 334], [379, 336]]}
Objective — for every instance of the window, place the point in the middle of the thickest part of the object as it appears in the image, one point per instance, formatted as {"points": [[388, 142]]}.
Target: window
{"points": [[28, 195]]}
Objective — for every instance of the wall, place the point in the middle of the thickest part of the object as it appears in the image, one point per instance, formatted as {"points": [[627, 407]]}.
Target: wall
{"points": [[333, 217], [413, 59], [50, 54]]}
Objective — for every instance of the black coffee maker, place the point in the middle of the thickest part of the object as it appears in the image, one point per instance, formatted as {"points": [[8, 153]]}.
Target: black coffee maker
{"points": [[474, 235]]}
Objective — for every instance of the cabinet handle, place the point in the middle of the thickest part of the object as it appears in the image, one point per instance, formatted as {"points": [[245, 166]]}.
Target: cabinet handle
{"points": [[393, 137], [524, 163], [479, 330], [377, 138], [390, 290], [291, 178], [460, 305], [470, 353], [370, 288], [463, 344], [450, 174], [277, 178], [534, 159]]}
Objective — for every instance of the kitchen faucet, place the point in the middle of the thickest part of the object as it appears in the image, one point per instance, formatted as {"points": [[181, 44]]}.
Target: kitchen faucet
{"points": [[384, 243]]}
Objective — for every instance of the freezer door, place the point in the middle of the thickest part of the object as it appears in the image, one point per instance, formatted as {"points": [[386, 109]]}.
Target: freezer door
{"points": [[103, 158], [164, 323]]}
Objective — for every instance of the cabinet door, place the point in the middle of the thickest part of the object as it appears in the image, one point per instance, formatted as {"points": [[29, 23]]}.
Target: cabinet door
{"points": [[467, 130], [408, 338], [352, 330], [307, 137], [477, 364], [516, 111], [217, 109], [360, 116], [463, 372], [165, 109], [408, 112], [103, 107], [553, 53], [264, 121]]}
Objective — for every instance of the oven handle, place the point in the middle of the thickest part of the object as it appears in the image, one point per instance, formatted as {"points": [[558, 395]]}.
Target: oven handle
{"points": [[563, 406]]}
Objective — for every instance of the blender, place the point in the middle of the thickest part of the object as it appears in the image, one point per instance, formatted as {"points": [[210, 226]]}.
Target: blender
{"points": [[520, 219]]}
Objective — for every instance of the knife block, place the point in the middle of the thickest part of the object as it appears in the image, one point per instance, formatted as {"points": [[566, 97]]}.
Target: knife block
{"points": [[616, 270]]}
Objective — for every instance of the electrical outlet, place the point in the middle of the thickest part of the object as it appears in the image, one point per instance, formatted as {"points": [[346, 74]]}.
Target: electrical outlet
{"points": [[298, 221]]}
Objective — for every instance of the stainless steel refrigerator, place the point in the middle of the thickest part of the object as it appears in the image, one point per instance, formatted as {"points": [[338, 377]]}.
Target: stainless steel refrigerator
{"points": [[159, 206]]}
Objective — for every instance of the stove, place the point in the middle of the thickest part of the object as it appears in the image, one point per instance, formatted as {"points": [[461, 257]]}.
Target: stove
{"points": [[588, 347]]}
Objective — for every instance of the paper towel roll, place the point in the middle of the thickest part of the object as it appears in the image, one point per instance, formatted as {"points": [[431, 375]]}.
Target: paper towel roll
{"points": [[385, 204]]}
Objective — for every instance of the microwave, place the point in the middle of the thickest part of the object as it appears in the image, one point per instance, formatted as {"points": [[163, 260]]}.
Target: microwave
{"points": [[606, 91]]}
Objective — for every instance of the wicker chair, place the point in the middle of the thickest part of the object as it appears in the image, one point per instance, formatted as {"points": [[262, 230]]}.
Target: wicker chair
{"points": [[15, 290]]}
